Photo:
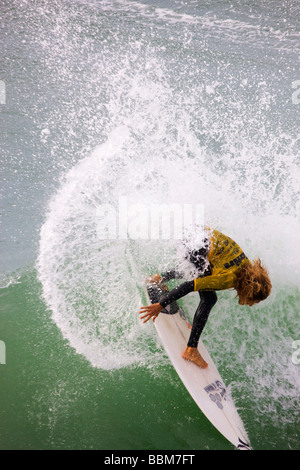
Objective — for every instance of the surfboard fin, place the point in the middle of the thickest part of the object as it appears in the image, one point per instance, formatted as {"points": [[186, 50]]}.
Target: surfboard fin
{"points": [[243, 445]]}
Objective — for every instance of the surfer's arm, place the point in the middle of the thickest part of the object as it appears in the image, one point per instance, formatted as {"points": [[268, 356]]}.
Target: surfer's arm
{"points": [[214, 282], [217, 282], [153, 310], [177, 293]]}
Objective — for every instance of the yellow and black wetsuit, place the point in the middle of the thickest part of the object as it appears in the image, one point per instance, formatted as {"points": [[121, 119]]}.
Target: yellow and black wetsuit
{"points": [[225, 258], [217, 261]]}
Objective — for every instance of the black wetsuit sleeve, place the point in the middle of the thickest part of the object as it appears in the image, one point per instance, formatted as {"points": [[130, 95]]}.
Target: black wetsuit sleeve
{"points": [[171, 274], [177, 293]]}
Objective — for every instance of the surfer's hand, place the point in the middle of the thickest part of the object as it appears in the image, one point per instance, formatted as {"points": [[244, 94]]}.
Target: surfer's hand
{"points": [[155, 278], [151, 311]]}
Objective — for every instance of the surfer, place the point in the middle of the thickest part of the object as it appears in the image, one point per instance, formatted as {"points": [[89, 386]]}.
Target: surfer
{"points": [[220, 264]]}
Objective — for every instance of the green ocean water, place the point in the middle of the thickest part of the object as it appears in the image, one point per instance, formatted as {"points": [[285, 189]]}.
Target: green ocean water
{"points": [[177, 102], [53, 399]]}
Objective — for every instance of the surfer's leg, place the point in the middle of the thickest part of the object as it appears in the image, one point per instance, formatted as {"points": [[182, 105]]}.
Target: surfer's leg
{"points": [[208, 300], [191, 353]]}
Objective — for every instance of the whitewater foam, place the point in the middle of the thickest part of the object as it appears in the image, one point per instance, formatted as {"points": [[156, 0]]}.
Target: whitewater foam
{"points": [[172, 131]]}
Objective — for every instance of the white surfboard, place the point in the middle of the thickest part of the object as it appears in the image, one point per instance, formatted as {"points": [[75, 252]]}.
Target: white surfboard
{"points": [[204, 385]]}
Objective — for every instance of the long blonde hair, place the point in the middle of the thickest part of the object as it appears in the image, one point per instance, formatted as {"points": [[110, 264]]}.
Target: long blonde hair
{"points": [[252, 282]]}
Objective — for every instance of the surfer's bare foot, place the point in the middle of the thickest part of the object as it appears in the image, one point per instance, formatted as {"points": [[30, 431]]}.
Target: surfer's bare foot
{"points": [[192, 354]]}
